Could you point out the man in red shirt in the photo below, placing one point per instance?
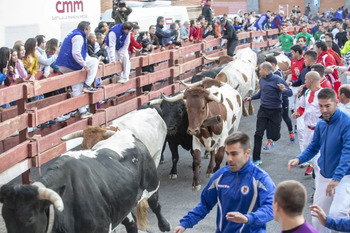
(335, 55)
(296, 67)
(319, 68)
(328, 61)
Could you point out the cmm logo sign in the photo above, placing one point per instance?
(69, 6)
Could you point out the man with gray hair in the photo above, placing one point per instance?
(270, 112)
(185, 31)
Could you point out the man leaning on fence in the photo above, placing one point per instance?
(73, 56)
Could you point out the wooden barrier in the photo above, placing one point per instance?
(34, 149)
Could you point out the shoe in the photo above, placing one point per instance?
(257, 162)
(31, 129)
(89, 89)
(291, 137)
(303, 165)
(122, 81)
(309, 170)
(86, 115)
(269, 144)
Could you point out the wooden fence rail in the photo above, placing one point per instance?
(27, 150)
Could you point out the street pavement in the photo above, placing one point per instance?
(177, 197)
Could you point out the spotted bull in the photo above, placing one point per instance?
(91, 190)
(213, 99)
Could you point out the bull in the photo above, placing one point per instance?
(202, 103)
(91, 190)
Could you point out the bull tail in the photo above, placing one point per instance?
(141, 215)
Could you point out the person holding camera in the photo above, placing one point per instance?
(120, 11)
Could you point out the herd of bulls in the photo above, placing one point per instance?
(95, 189)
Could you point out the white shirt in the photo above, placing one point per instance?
(312, 111)
(111, 48)
(345, 107)
(77, 44)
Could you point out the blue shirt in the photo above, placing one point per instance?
(249, 191)
(332, 139)
(340, 224)
(270, 94)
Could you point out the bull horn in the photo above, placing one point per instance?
(211, 58)
(48, 194)
(109, 133)
(196, 84)
(70, 136)
(174, 98)
(215, 98)
(155, 102)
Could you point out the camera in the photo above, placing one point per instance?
(121, 4)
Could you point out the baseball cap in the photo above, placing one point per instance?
(222, 20)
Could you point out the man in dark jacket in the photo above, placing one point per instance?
(207, 12)
(120, 12)
(230, 35)
(159, 30)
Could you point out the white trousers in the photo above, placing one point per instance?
(336, 206)
(293, 100)
(124, 76)
(77, 89)
(300, 130)
(307, 138)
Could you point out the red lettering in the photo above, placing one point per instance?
(69, 6)
(59, 10)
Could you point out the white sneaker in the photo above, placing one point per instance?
(86, 115)
(122, 81)
(31, 129)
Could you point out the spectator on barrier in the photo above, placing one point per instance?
(248, 25)
(277, 21)
(22, 72)
(270, 112)
(207, 30)
(230, 35)
(288, 207)
(160, 33)
(340, 38)
(320, 34)
(44, 61)
(5, 56)
(198, 33)
(102, 28)
(302, 42)
(172, 39)
(185, 31)
(118, 41)
(51, 48)
(73, 56)
(309, 39)
(147, 49)
(133, 43)
(247, 208)
(339, 224)
(207, 12)
(120, 11)
(328, 61)
(30, 60)
(331, 138)
(236, 24)
(153, 38)
(260, 23)
(193, 29)
(13, 74)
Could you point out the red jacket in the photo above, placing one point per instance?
(134, 44)
(198, 34)
(328, 60)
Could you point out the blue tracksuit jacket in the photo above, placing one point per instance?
(249, 191)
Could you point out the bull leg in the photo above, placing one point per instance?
(251, 108)
(196, 170)
(153, 203)
(219, 157)
(162, 156)
(130, 224)
(244, 110)
(210, 165)
(175, 158)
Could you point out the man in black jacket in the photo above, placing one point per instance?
(230, 35)
(207, 12)
(160, 33)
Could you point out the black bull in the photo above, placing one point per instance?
(97, 193)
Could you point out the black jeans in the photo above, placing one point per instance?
(285, 115)
(269, 120)
(231, 46)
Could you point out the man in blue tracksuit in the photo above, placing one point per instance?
(339, 224)
(262, 21)
(332, 139)
(270, 112)
(243, 193)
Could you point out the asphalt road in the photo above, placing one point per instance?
(177, 197)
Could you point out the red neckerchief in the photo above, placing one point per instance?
(312, 96)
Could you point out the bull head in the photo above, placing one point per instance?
(50, 195)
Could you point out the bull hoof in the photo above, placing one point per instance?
(209, 175)
(251, 111)
(206, 155)
(166, 226)
(197, 188)
(161, 161)
(172, 176)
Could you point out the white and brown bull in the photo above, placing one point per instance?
(241, 75)
(203, 103)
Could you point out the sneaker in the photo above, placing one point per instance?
(122, 81)
(291, 137)
(257, 162)
(269, 144)
(303, 165)
(89, 89)
(309, 170)
(86, 115)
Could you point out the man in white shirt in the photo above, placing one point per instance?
(118, 41)
(44, 62)
(344, 96)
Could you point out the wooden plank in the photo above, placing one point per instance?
(13, 156)
(162, 56)
(52, 153)
(112, 68)
(258, 33)
(244, 35)
(159, 75)
(191, 49)
(272, 42)
(242, 46)
(262, 44)
(12, 125)
(272, 32)
(15, 171)
(191, 64)
(211, 43)
(11, 93)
